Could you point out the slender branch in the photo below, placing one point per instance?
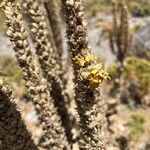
(111, 41)
(121, 33)
(125, 25)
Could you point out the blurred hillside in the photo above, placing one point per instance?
(137, 7)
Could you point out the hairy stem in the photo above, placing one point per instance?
(50, 62)
(54, 20)
(13, 132)
(36, 84)
(90, 106)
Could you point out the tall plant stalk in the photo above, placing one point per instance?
(120, 35)
(88, 76)
(54, 19)
(37, 86)
(120, 38)
(50, 62)
(14, 134)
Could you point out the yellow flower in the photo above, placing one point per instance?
(96, 76)
(95, 69)
(94, 84)
(84, 58)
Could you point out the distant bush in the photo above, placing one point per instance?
(136, 125)
(136, 74)
(113, 71)
(97, 5)
(138, 69)
(140, 8)
(137, 27)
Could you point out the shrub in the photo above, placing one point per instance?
(140, 8)
(113, 71)
(94, 6)
(136, 125)
(137, 69)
